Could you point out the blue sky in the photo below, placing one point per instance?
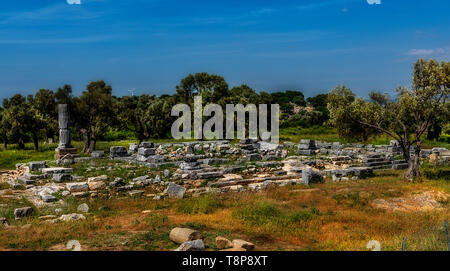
(270, 45)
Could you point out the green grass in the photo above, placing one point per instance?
(12, 156)
(338, 217)
(264, 213)
(199, 205)
(7, 211)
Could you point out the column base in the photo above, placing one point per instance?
(59, 153)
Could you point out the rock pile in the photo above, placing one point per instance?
(192, 240)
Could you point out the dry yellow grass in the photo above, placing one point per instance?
(323, 217)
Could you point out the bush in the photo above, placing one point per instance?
(437, 174)
(445, 138)
(446, 129)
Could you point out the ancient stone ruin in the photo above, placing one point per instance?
(191, 169)
(64, 149)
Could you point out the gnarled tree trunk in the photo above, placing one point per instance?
(21, 144)
(35, 142)
(86, 142)
(413, 172)
(93, 141)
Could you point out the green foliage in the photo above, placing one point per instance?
(351, 199)
(445, 138)
(8, 207)
(211, 87)
(20, 120)
(199, 205)
(405, 118)
(4, 186)
(446, 129)
(95, 111)
(340, 102)
(242, 95)
(97, 115)
(264, 213)
(289, 96)
(305, 119)
(437, 173)
(117, 135)
(320, 100)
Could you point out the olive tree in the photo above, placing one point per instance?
(405, 118)
(94, 110)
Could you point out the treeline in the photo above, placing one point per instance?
(96, 112)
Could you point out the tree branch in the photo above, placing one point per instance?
(381, 129)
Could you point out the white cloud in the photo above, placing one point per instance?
(428, 52)
(420, 52)
(374, 2)
(74, 2)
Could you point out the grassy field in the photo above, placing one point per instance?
(10, 157)
(331, 216)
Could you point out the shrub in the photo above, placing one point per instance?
(437, 173)
(444, 138)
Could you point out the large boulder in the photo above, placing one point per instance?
(56, 170)
(195, 245)
(47, 197)
(147, 145)
(118, 151)
(223, 243)
(77, 187)
(33, 166)
(117, 182)
(241, 244)
(306, 144)
(83, 208)
(23, 212)
(182, 235)
(175, 191)
(146, 152)
(156, 159)
(62, 177)
(310, 176)
(93, 186)
(97, 183)
(253, 157)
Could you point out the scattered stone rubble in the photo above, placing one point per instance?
(192, 240)
(195, 168)
(214, 162)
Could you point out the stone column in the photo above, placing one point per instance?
(64, 124)
(64, 146)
